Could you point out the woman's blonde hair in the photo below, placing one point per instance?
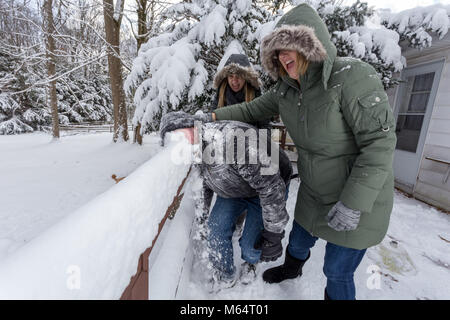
(302, 65)
(249, 93)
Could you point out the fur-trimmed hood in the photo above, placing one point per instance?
(238, 64)
(290, 37)
(300, 29)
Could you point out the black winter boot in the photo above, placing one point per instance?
(292, 268)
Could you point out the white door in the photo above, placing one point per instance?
(413, 110)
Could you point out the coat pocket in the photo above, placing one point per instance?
(376, 114)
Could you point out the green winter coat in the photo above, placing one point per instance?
(341, 123)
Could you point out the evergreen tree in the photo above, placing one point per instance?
(83, 99)
(355, 35)
(83, 92)
(24, 111)
(23, 108)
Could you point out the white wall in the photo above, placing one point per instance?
(431, 186)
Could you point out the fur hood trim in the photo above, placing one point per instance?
(247, 73)
(300, 38)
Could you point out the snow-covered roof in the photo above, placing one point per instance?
(425, 24)
(435, 17)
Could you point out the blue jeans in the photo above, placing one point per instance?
(339, 265)
(222, 224)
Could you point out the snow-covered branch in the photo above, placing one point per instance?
(57, 77)
(418, 24)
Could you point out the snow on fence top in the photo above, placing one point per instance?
(92, 253)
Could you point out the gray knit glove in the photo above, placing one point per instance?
(341, 218)
(179, 119)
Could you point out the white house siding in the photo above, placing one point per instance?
(433, 183)
(391, 93)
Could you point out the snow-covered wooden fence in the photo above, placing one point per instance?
(94, 252)
(138, 288)
(86, 127)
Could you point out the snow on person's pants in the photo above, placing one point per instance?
(222, 224)
(339, 265)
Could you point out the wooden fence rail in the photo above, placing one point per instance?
(90, 128)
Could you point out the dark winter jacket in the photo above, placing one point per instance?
(341, 123)
(244, 179)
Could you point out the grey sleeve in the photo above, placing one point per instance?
(272, 194)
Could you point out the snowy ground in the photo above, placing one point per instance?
(43, 181)
(412, 262)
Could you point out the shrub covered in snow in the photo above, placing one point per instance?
(83, 90)
(24, 108)
(19, 112)
(84, 99)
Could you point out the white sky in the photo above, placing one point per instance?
(400, 5)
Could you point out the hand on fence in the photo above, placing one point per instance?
(188, 133)
(179, 119)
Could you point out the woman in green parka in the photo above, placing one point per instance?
(338, 115)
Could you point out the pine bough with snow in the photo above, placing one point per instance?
(82, 84)
(24, 108)
(418, 25)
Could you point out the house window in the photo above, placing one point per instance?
(412, 110)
